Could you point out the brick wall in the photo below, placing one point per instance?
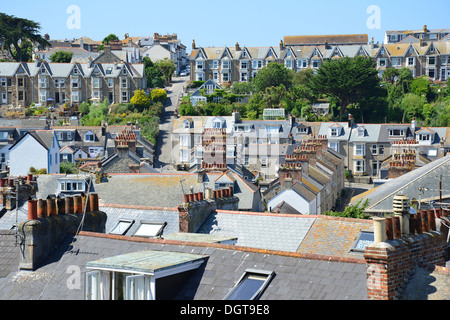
(389, 262)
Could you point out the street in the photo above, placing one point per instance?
(164, 144)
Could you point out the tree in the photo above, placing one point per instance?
(140, 100)
(412, 106)
(167, 68)
(348, 80)
(352, 211)
(158, 95)
(61, 56)
(420, 86)
(273, 75)
(15, 33)
(153, 75)
(109, 38)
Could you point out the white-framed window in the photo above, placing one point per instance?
(374, 149)
(250, 285)
(213, 64)
(396, 62)
(396, 132)
(443, 74)
(75, 186)
(244, 64)
(124, 71)
(289, 64)
(3, 82)
(360, 150)
(200, 64)
(110, 82)
(302, 63)
(124, 82)
(334, 132)
(257, 64)
(315, 63)
(246, 160)
(333, 146)
(75, 71)
(424, 137)
(410, 61)
(124, 96)
(74, 83)
(149, 229)
(431, 61)
(92, 285)
(264, 162)
(226, 64)
(75, 96)
(89, 136)
(432, 73)
(360, 166)
(243, 76)
(96, 83)
(225, 77)
(184, 140)
(382, 62)
(43, 83)
(122, 226)
(43, 95)
(444, 60)
(200, 76)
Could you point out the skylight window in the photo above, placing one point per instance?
(122, 227)
(150, 229)
(251, 285)
(365, 239)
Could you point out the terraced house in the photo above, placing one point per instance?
(230, 64)
(23, 83)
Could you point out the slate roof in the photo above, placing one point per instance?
(265, 230)
(296, 277)
(426, 176)
(330, 39)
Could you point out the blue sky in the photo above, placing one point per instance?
(220, 23)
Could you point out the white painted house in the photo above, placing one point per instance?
(298, 197)
(38, 149)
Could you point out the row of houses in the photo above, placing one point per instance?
(240, 63)
(111, 148)
(261, 146)
(129, 49)
(43, 83)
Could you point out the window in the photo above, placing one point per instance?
(214, 64)
(225, 64)
(199, 64)
(444, 60)
(360, 150)
(92, 285)
(411, 61)
(365, 239)
(150, 229)
(244, 64)
(69, 186)
(431, 61)
(43, 83)
(360, 166)
(303, 63)
(225, 77)
(244, 76)
(246, 160)
(43, 95)
(20, 82)
(124, 96)
(89, 137)
(382, 62)
(124, 83)
(124, 71)
(424, 137)
(374, 149)
(200, 76)
(264, 162)
(334, 132)
(43, 70)
(96, 83)
(289, 64)
(396, 62)
(334, 146)
(396, 132)
(217, 123)
(251, 285)
(74, 83)
(3, 82)
(315, 63)
(75, 71)
(381, 149)
(122, 227)
(110, 83)
(20, 96)
(75, 96)
(431, 73)
(137, 288)
(257, 64)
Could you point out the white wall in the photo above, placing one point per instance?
(294, 200)
(25, 154)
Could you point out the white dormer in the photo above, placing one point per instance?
(425, 136)
(186, 124)
(89, 136)
(217, 123)
(335, 130)
(361, 131)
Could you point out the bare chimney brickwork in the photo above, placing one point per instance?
(51, 220)
(402, 242)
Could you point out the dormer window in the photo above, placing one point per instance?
(42, 70)
(360, 132)
(302, 130)
(75, 71)
(89, 136)
(187, 124)
(217, 123)
(334, 132)
(425, 137)
(396, 132)
(124, 71)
